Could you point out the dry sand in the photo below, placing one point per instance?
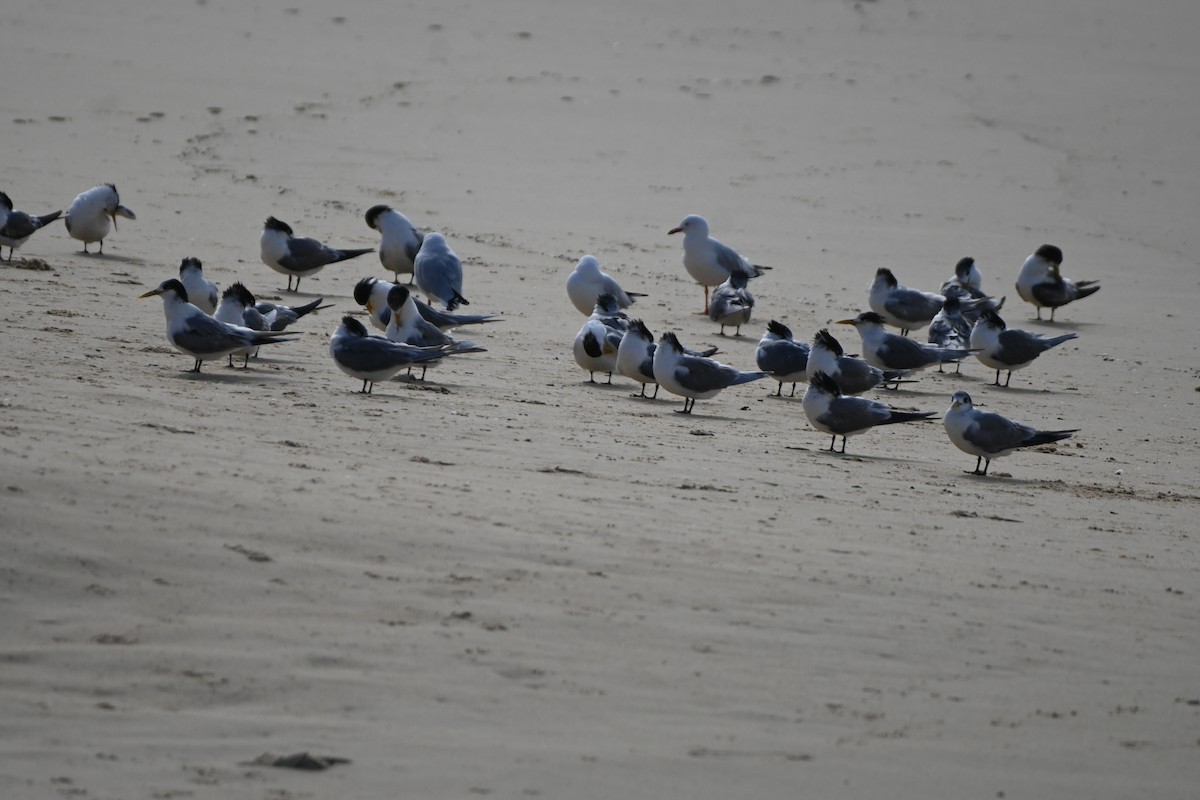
(511, 583)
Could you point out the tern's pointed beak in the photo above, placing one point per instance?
(844, 322)
(150, 293)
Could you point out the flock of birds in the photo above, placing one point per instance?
(963, 321)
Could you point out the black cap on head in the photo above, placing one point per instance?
(825, 383)
(397, 297)
(826, 340)
(888, 277)
(872, 317)
(362, 290)
(1050, 253)
(373, 213)
(190, 261)
(990, 317)
(353, 326)
(639, 327)
(239, 291)
(276, 225)
(779, 329)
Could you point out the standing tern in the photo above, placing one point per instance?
(950, 328)
(901, 307)
(439, 273)
(407, 326)
(852, 375)
(191, 331)
(782, 357)
(693, 377)
(201, 291)
(17, 226)
(400, 241)
(298, 257)
(732, 303)
(1002, 348)
(374, 358)
(596, 345)
(88, 217)
(237, 308)
(587, 282)
(986, 435)
(278, 317)
(1041, 283)
(893, 351)
(830, 411)
(708, 261)
(635, 356)
(372, 293)
(967, 280)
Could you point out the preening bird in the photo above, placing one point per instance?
(732, 303)
(1041, 283)
(400, 240)
(88, 218)
(202, 293)
(587, 282)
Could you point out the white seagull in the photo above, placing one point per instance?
(17, 226)
(191, 331)
(830, 411)
(693, 377)
(892, 351)
(88, 217)
(782, 357)
(400, 241)
(1041, 283)
(708, 261)
(295, 256)
(986, 435)
(901, 307)
(201, 291)
(439, 273)
(374, 358)
(1002, 348)
(852, 374)
(732, 303)
(587, 282)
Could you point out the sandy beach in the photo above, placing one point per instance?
(509, 582)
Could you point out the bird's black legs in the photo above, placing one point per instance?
(779, 393)
(688, 404)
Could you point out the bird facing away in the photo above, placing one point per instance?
(708, 261)
(438, 272)
(237, 308)
(901, 307)
(966, 281)
(598, 341)
(732, 303)
(202, 293)
(16, 226)
(1041, 283)
(191, 331)
(1002, 348)
(782, 357)
(374, 358)
(852, 374)
(372, 293)
(950, 328)
(693, 377)
(407, 326)
(88, 216)
(400, 241)
(986, 435)
(830, 411)
(892, 351)
(635, 356)
(587, 282)
(298, 257)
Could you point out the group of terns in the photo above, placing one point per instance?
(963, 321)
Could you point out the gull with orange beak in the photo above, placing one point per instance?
(90, 213)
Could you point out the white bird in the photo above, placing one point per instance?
(598, 341)
(201, 291)
(732, 303)
(967, 279)
(16, 226)
(372, 293)
(237, 308)
(278, 317)
(986, 435)
(439, 273)
(587, 282)
(950, 328)
(296, 256)
(1002, 348)
(88, 217)
(901, 307)
(852, 374)
(693, 377)
(1041, 283)
(191, 331)
(782, 357)
(893, 351)
(708, 261)
(374, 358)
(830, 411)
(407, 326)
(400, 241)
(635, 356)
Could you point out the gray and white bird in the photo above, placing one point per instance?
(407, 326)
(598, 341)
(202, 293)
(950, 328)
(16, 226)
(374, 358)
(191, 331)
(439, 273)
(782, 357)
(830, 411)
(732, 303)
(587, 282)
(298, 257)
(708, 261)
(400, 240)
(88, 217)
(694, 377)
(852, 374)
(899, 306)
(967, 279)
(987, 435)
(237, 308)
(372, 293)
(1041, 283)
(1002, 348)
(278, 317)
(635, 356)
(893, 351)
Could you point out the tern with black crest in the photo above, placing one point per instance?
(1002, 348)
(93, 212)
(694, 377)
(782, 357)
(298, 257)
(400, 241)
(1041, 283)
(16, 226)
(830, 411)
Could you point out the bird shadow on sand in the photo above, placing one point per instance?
(112, 257)
(1057, 326)
(226, 374)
